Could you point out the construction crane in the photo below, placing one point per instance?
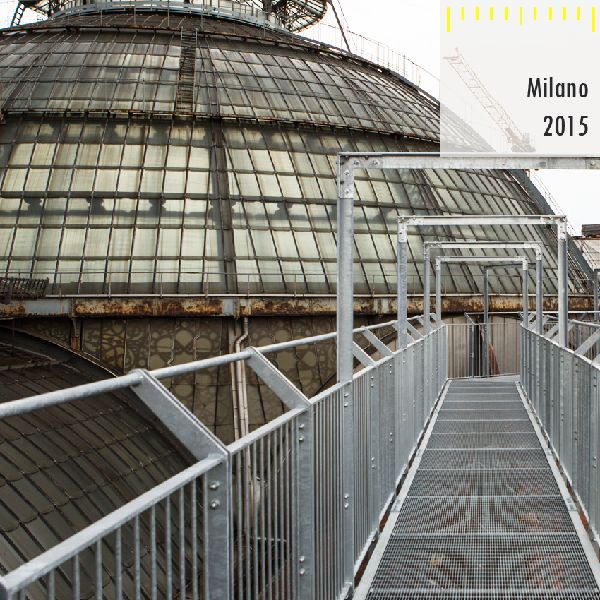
(519, 142)
(43, 7)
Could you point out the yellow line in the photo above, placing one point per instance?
(477, 13)
(564, 13)
(462, 13)
(506, 14)
(521, 16)
(491, 13)
(549, 13)
(579, 13)
(535, 13)
(448, 19)
(593, 19)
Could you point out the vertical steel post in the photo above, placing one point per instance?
(426, 292)
(402, 285)
(539, 292)
(525, 293)
(486, 317)
(595, 399)
(563, 283)
(201, 443)
(306, 505)
(438, 290)
(345, 260)
(596, 286)
(345, 355)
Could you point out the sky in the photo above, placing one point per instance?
(412, 28)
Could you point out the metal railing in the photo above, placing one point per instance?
(288, 511)
(563, 386)
(375, 52)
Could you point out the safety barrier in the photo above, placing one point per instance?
(288, 511)
(563, 386)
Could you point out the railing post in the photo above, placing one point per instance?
(575, 398)
(563, 284)
(347, 499)
(345, 360)
(379, 403)
(219, 531)
(402, 284)
(403, 381)
(596, 281)
(426, 291)
(345, 264)
(306, 505)
(525, 293)
(565, 432)
(539, 292)
(594, 476)
(538, 372)
(486, 318)
(438, 290)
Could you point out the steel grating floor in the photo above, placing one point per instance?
(483, 517)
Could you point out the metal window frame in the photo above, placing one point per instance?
(491, 245)
(348, 163)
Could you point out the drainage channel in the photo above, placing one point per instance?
(484, 513)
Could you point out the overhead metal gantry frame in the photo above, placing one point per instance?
(482, 220)
(495, 260)
(489, 245)
(348, 163)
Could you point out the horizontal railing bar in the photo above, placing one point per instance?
(218, 361)
(38, 567)
(318, 338)
(33, 403)
(207, 363)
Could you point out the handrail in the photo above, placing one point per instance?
(67, 549)
(33, 403)
(279, 493)
(563, 388)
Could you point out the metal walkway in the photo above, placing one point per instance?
(484, 513)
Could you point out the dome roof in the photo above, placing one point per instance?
(64, 467)
(240, 72)
(173, 154)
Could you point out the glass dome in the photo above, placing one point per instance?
(149, 152)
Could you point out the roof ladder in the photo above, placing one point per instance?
(518, 140)
(18, 14)
(184, 99)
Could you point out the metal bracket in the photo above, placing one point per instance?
(552, 332)
(587, 345)
(362, 356)
(287, 392)
(413, 331)
(377, 343)
(196, 438)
